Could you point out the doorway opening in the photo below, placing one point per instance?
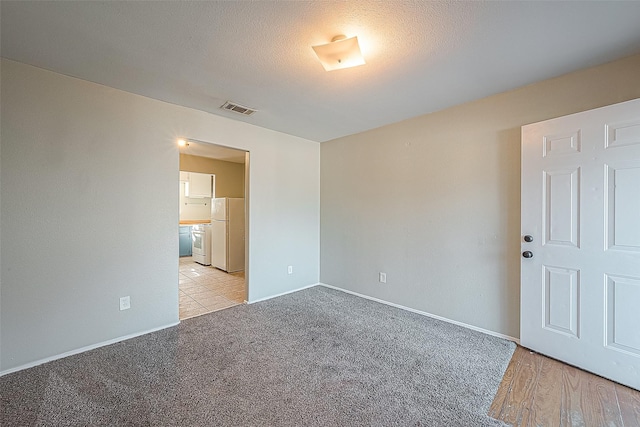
(213, 259)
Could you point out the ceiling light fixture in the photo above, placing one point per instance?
(342, 52)
(182, 142)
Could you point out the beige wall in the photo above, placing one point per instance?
(435, 201)
(229, 175)
(89, 189)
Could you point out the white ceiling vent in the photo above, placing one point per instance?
(237, 108)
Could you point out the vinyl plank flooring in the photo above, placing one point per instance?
(546, 411)
(501, 400)
(540, 391)
(523, 385)
(588, 400)
(629, 403)
(572, 387)
(604, 402)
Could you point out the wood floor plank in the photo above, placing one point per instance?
(520, 396)
(537, 390)
(604, 401)
(548, 394)
(629, 403)
(571, 410)
(588, 400)
(500, 400)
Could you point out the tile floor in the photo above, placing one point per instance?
(206, 289)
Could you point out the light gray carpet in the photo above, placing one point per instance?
(317, 357)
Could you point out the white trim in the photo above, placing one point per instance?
(424, 313)
(83, 349)
(283, 293)
(126, 337)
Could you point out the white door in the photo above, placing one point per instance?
(580, 289)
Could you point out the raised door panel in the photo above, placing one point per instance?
(561, 300)
(561, 216)
(565, 143)
(621, 134)
(623, 316)
(622, 200)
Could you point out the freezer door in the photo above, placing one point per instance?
(219, 209)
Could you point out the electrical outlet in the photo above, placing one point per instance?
(125, 303)
(383, 278)
(290, 269)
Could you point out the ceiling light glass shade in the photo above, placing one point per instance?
(341, 53)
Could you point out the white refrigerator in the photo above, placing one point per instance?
(227, 234)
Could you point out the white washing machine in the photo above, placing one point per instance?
(201, 243)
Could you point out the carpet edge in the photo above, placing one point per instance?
(424, 313)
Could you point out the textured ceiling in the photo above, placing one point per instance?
(421, 56)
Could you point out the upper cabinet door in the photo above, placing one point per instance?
(199, 185)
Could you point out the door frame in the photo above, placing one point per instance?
(247, 175)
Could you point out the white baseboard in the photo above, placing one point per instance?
(424, 313)
(283, 293)
(83, 349)
(126, 337)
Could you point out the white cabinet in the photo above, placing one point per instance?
(200, 184)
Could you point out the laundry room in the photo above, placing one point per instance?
(212, 228)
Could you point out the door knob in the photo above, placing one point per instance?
(527, 254)
(528, 238)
